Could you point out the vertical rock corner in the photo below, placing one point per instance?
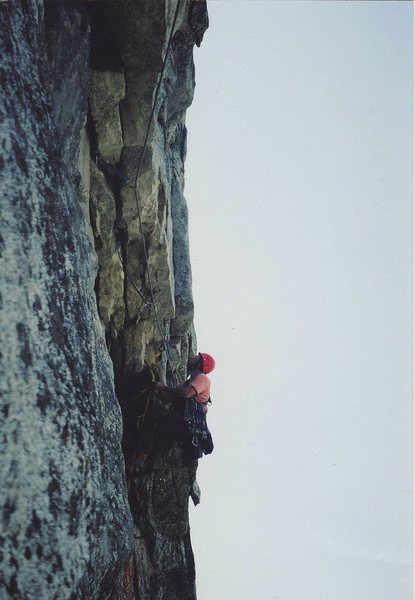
(79, 294)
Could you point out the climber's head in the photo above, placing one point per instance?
(203, 362)
(207, 362)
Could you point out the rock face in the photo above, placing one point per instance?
(88, 292)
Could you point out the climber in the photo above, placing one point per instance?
(193, 396)
(197, 386)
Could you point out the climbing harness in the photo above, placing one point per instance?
(195, 419)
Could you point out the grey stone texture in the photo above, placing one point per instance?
(66, 527)
(77, 298)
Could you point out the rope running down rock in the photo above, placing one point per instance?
(135, 188)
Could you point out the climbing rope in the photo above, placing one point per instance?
(135, 188)
(146, 302)
(112, 170)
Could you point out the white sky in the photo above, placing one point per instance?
(299, 185)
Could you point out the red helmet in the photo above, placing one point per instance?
(208, 362)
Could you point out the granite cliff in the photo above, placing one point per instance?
(83, 309)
